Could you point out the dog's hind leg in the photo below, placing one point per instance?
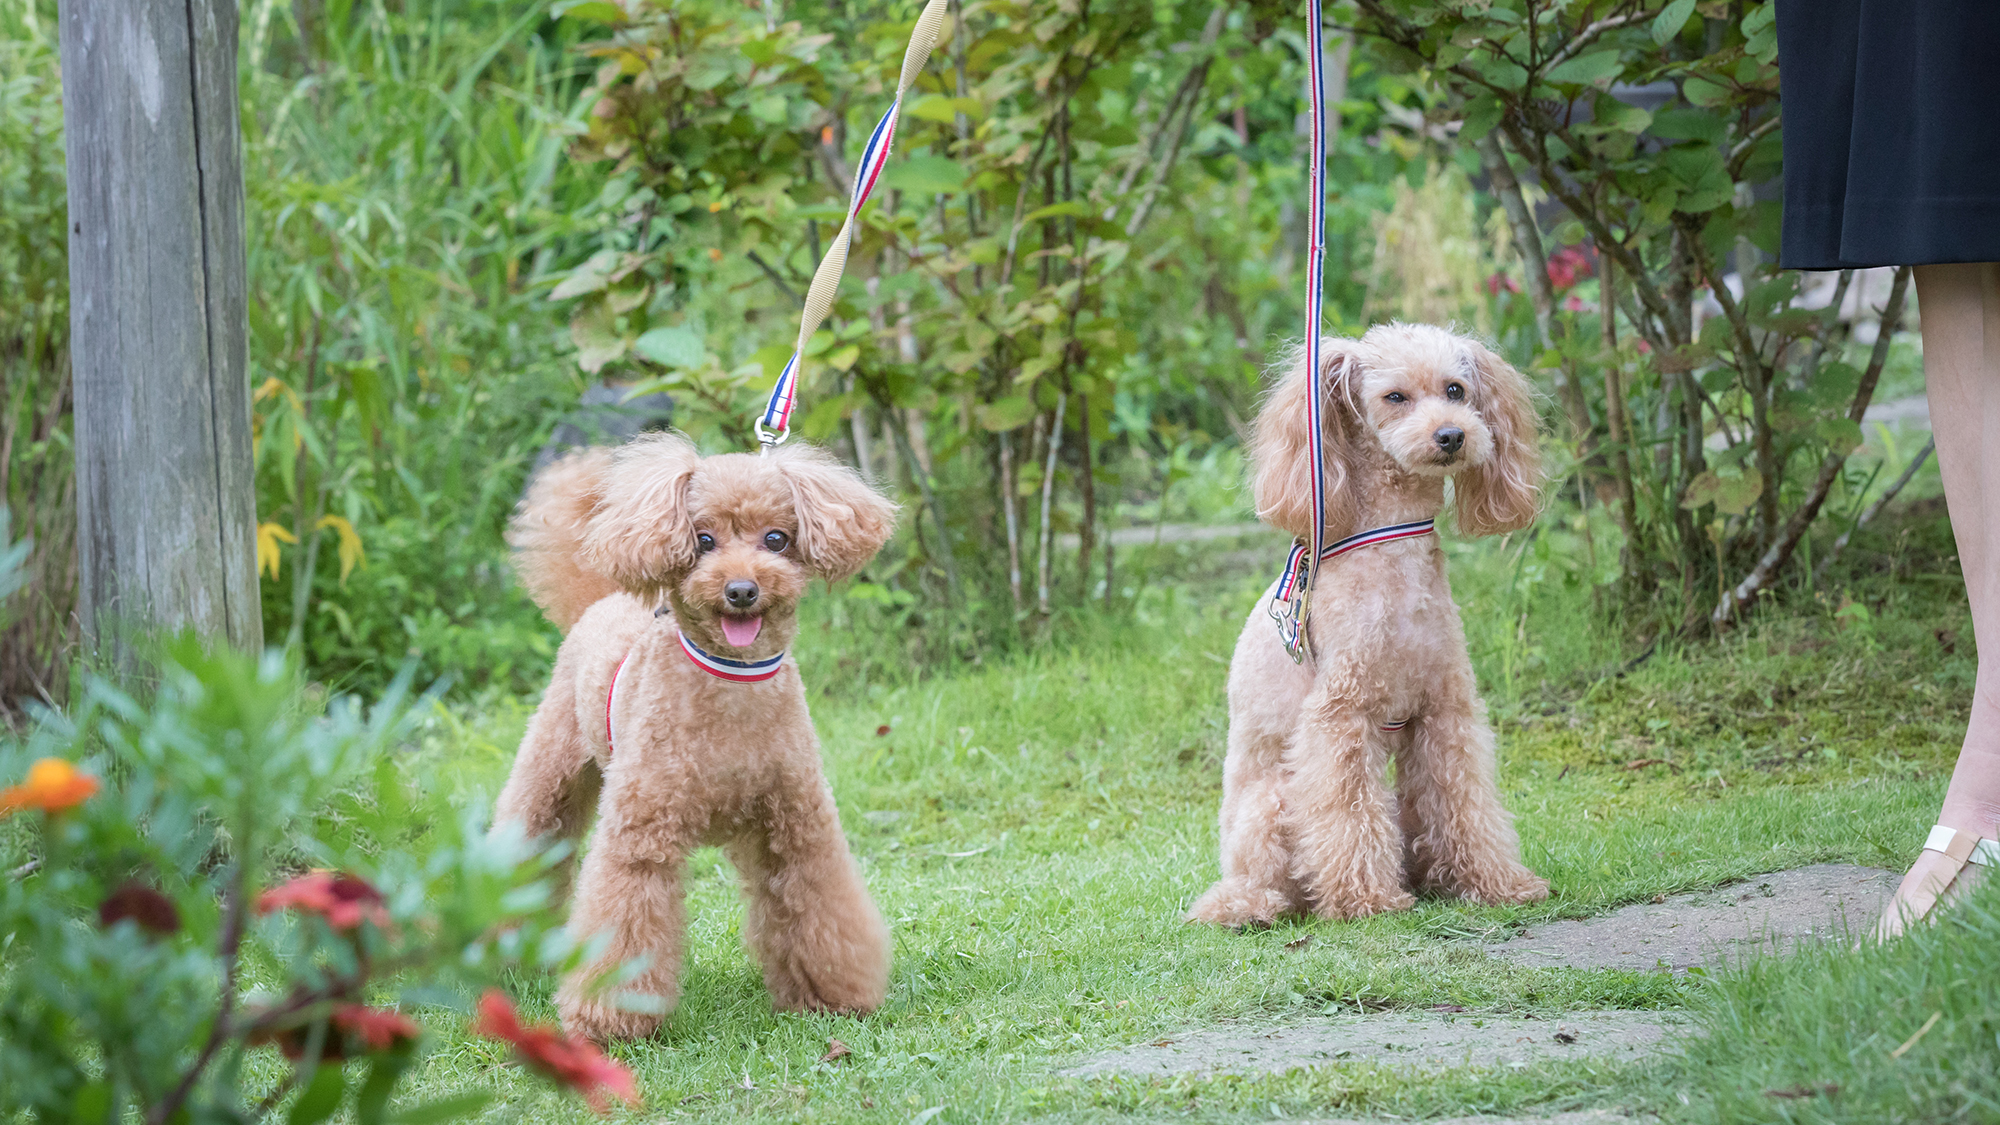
(1256, 885)
(1461, 840)
(553, 787)
(808, 917)
(1348, 849)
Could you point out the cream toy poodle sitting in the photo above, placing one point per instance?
(1308, 822)
(677, 578)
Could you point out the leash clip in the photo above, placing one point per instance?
(767, 440)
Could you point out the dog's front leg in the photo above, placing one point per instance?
(1461, 839)
(808, 917)
(1348, 850)
(629, 892)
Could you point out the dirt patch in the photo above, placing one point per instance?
(1766, 913)
(1396, 1038)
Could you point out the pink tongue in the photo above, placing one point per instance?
(741, 631)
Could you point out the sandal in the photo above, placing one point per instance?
(1963, 849)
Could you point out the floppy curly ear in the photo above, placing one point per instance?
(641, 537)
(842, 521)
(1504, 493)
(1281, 464)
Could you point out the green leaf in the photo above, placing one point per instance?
(1053, 210)
(92, 1105)
(672, 347)
(603, 11)
(371, 1103)
(442, 1109)
(937, 107)
(926, 175)
(1840, 434)
(1597, 66)
(1671, 19)
(1702, 91)
(1482, 115)
(1614, 114)
(320, 1097)
(1731, 495)
(597, 340)
(1682, 123)
(1006, 414)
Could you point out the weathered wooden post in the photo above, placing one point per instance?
(166, 512)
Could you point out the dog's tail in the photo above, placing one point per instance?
(547, 536)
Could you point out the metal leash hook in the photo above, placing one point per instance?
(777, 414)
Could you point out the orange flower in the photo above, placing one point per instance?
(343, 900)
(52, 786)
(576, 1063)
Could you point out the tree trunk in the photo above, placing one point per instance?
(166, 510)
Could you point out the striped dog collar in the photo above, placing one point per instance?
(1380, 535)
(735, 671)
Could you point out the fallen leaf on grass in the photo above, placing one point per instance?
(1660, 898)
(1921, 1032)
(1803, 1091)
(1298, 945)
(1642, 763)
(835, 1050)
(1165, 1042)
(882, 730)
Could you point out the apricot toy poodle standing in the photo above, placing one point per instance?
(674, 710)
(1308, 822)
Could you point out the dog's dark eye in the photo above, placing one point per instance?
(1454, 392)
(775, 541)
(1394, 396)
(705, 541)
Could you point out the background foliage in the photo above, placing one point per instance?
(464, 213)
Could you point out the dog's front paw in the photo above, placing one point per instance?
(1236, 905)
(1511, 887)
(600, 1022)
(1349, 903)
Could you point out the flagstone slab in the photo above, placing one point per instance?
(1720, 927)
(1417, 1040)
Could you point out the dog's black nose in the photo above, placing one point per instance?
(740, 593)
(1450, 439)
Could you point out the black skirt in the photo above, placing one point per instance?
(1892, 132)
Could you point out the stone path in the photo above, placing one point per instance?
(1424, 1040)
(1725, 925)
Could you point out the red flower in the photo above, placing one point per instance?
(576, 1063)
(377, 1028)
(343, 900)
(1501, 281)
(354, 1030)
(1574, 304)
(1568, 264)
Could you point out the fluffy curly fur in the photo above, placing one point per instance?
(621, 549)
(1307, 821)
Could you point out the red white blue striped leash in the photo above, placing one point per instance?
(1302, 567)
(775, 424)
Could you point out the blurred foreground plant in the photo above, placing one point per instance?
(223, 866)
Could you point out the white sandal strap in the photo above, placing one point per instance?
(1963, 846)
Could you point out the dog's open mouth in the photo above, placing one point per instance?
(741, 632)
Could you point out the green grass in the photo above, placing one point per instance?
(1033, 831)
